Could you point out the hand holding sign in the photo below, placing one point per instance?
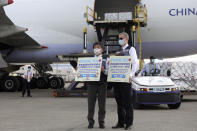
(119, 69)
(89, 69)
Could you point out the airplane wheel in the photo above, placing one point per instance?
(174, 106)
(41, 83)
(55, 83)
(62, 82)
(11, 84)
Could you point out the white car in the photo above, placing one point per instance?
(155, 90)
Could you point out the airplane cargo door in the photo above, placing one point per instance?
(112, 9)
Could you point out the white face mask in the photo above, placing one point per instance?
(121, 42)
(97, 51)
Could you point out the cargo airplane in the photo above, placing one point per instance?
(37, 31)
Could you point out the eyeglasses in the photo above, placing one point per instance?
(121, 38)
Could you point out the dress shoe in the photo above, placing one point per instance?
(90, 126)
(29, 96)
(102, 126)
(117, 126)
(128, 127)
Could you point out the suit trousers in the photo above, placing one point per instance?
(123, 95)
(27, 87)
(96, 90)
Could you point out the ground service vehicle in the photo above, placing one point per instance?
(150, 90)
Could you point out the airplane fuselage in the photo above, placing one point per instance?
(170, 32)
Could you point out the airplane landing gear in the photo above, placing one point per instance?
(10, 84)
(62, 82)
(41, 83)
(55, 83)
(45, 82)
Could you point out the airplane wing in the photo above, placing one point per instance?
(12, 35)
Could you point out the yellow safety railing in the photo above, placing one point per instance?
(140, 43)
(90, 13)
(138, 20)
(141, 10)
(145, 11)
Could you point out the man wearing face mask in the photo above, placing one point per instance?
(151, 69)
(28, 76)
(97, 89)
(123, 91)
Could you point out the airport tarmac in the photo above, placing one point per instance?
(43, 112)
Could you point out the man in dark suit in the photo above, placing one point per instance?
(123, 91)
